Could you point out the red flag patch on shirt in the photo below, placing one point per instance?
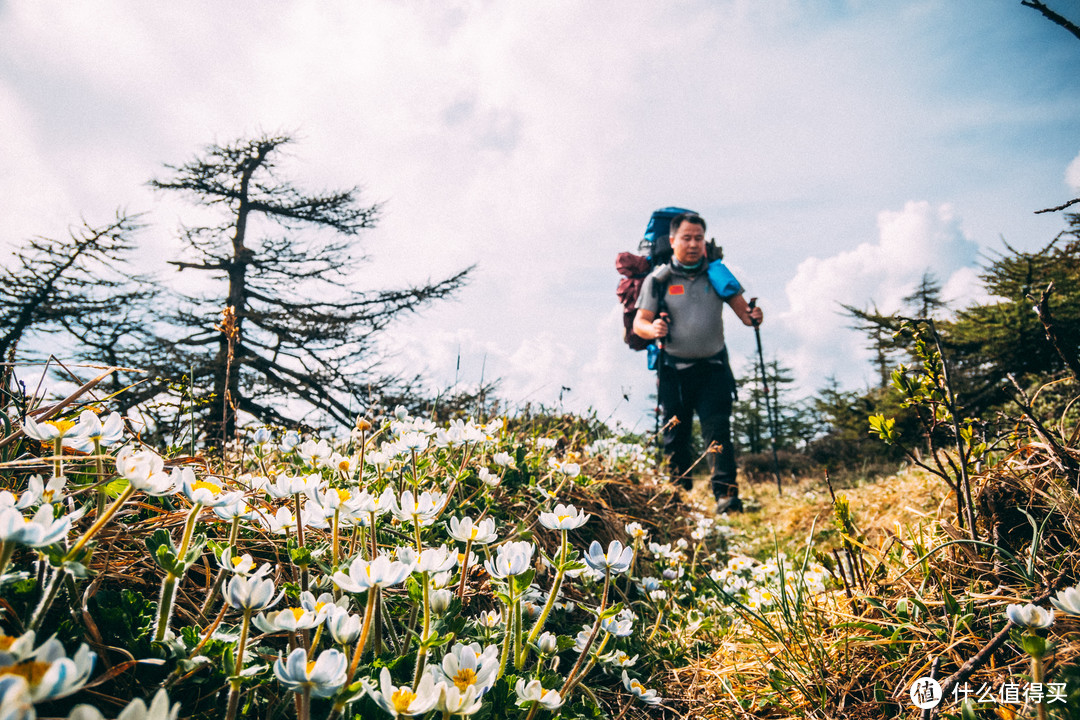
(676, 290)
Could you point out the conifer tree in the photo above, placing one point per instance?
(284, 333)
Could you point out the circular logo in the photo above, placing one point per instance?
(925, 693)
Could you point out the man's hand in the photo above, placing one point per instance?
(660, 327)
(749, 315)
(649, 326)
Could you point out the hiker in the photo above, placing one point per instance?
(679, 306)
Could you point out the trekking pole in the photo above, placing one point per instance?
(768, 405)
(659, 364)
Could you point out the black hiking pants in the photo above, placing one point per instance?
(705, 388)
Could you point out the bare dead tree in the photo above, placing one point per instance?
(303, 331)
(52, 283)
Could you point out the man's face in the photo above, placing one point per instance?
(688, 243)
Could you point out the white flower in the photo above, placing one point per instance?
(649, 697)
(1030, 616)
(287, 620)
(564, 517)
(435, 560)
(280, 522)
(313, 453)
(363, 575)
(262, 436)
(465, 530)
(50, 673)
(636, 531)
(1068, 601)
(617, 626)
(547, 643)
(206, 492)
(534, 692)
(344, 627)
(51, 430)
(402, 700)
(490, 619)
(489, 478)
(39, 531)
(145, 470)
(159, 709)
(289, 441)
(322, 678)
(616, 559)
(453, 701)
(439, 601)
(619, 659)
(15, 700)
(238, 508)
(568, 469)
(90, 428)
(466, 666)
(420, 510)
(253, 593)
(502, 459)
(377, 504)
(513, 558)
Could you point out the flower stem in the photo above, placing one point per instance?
(7, 549)
(507, 632)
(1037, 678)
(336, 552)
(656, 626)
(555, 586)
(99, 461)
(47, 599)
(102, 520)
(168, 588)
(519, 657)
(571, 679)
(421, 653)
(234, 684)
(300, 541)
(369, 613)
(464, 570)
(58, 456)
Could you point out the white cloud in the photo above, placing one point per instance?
(1072, 174)
(534, 139)
(918, 239)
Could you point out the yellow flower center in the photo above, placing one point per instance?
(402, 699)
(343, 465)
(464, 678)
(635, 685)
(236, 561)
(61, 425)
(475, 532)
(563, 517)
(6, 642)
(204, 485)
(299, 613)
(344, 495)
(310, 667)
(32, 670)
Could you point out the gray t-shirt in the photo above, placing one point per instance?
(696, 330)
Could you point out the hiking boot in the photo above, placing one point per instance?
(729, 504)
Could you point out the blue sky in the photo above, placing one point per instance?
(838, 150)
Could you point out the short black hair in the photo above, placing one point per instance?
(686, 217)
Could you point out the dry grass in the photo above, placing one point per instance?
(896, 518)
